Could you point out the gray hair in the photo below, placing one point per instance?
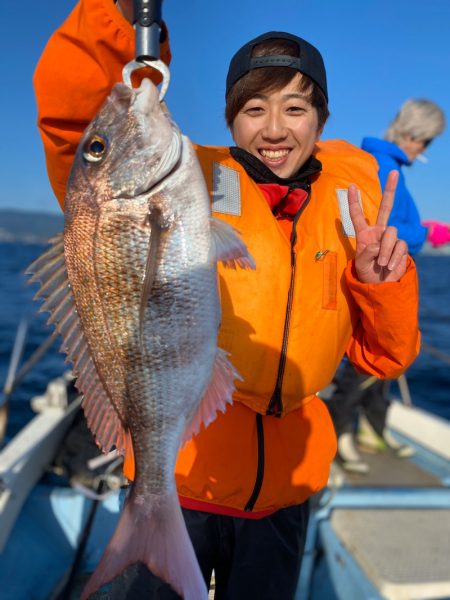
(420, 119)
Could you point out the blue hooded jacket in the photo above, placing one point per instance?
(404, 215)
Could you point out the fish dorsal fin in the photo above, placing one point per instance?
(230, 249)
(218, 395)
(50, 270)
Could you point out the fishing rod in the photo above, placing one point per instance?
(442, 356)
(16, 375)
(16, 355)
(147, 22)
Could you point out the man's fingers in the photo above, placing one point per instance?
(388, 242)
(399, 254)
(384, 212)
(387, 202)
(354, 207)
(367, 256)
(399, 270)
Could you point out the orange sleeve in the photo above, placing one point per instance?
(386, 339)
(80, 64)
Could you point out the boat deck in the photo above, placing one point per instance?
(387, 532)
(387, 470)
(405, 553)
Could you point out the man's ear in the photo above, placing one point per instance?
(319, 133)
(232, 133)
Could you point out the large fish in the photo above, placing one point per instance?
(132, 288)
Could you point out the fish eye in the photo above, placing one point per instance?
(95, 149)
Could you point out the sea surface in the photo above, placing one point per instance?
(428, 377)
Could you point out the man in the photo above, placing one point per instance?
(244, 482)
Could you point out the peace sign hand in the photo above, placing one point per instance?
(380, 255)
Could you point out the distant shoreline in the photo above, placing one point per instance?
(19, 226)
(428, 250)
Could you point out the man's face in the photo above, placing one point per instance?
(279, 128)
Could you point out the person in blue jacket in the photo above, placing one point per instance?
(416, 124)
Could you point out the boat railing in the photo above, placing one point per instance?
(16, 375)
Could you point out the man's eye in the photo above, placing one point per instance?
(253, 109)
(95, 149)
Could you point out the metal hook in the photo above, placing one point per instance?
(159, 65)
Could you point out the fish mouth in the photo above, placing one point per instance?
(146, 98)
(135, 65)
(161, 154)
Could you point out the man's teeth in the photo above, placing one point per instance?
(274, 153)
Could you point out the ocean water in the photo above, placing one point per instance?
(16, 303)
(428, 377)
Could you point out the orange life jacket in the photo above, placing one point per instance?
(286, 329)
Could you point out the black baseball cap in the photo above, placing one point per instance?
(309, 60)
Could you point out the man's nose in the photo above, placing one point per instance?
(274, 128)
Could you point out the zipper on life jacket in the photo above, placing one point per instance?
(276, 404)
(260, 467)
(275, 407)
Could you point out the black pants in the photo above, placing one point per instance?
(252, 559)
(349, 398)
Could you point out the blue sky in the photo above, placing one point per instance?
(377, 53)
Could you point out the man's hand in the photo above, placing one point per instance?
(380, 255)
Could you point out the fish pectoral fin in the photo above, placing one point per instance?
(157, 228)
(230, 249)
(218, 395)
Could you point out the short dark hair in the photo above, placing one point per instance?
(270, 79)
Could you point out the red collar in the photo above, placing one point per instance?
(284, 202)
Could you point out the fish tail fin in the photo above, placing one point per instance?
(153, 533)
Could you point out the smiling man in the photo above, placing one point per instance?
(331, 277)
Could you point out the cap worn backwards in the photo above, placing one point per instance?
(309, 60)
